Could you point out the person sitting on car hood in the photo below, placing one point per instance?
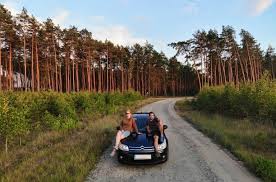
(127, 126)
(155, 128)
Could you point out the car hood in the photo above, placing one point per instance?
(138, 140)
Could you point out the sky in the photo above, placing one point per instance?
(159, 22)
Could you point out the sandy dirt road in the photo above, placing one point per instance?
(193, 157)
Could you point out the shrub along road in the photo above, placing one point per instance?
(193, 157)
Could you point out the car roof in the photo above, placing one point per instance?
(141, 120)
(140, 115)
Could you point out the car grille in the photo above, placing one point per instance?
(141, 148)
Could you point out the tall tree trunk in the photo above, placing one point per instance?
(128, 79)
(142, 80)
(219, 72)
(103, 80)
(211, 71)
(69, 76)
(149, 79)
(251, 78)
(202, 79)
(137, 76)
(48, 74)
(10, 70)
(241, 63)
(224, 72)
(66, 74)
(60, 80)
(56, 65)
(83, 76)
(230, 71)
(37, 68)
(107, 83)
(112, 74)
(32, 64)
(94, 78)
(56, 76)
(237, 73)
(73, 75)
(77, 77)
(1, 67)
(215, 73)
(25, 64)
(246, 70)
(88, 72)
(122, 77)
(99, 78)
(198, 76)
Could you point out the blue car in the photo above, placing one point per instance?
(139, 148)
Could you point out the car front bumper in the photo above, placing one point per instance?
(128, 158)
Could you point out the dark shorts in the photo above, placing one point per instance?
(155, 133)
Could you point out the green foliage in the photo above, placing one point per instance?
(24, 112)
(252, 142)
(13, 121)
(264, 168)
(58, 122)
(257, 101)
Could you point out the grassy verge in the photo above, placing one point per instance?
(253, 143)
(63, 155)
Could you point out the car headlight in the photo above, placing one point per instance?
(162, 146)
(123, 147)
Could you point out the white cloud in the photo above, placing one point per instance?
(162, 45)
(13, 6)
(16, 6)
(117, 34)
(61, 17)
(191, 6)
(257, 7)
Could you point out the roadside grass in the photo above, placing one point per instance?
(251, 142)
(63, 155)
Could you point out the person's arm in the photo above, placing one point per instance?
(134, 126)
(161, 128)
(148, 128)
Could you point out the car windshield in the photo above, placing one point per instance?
(141, 122)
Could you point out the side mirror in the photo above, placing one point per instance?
(165, 126)
(118, 128)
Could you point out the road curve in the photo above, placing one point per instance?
(193, 157)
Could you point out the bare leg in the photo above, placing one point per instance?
(161, 128)
(156, 142)
(119, 137)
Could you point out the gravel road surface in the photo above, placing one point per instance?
(193, 157)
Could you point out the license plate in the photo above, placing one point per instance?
(142, 157)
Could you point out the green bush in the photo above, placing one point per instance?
(13, 121)
(254, 143)
(210, 99)
(21, 112)
(257, 101)
(60, 105)
(265, 168)
(83, 102)
(58, 122)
